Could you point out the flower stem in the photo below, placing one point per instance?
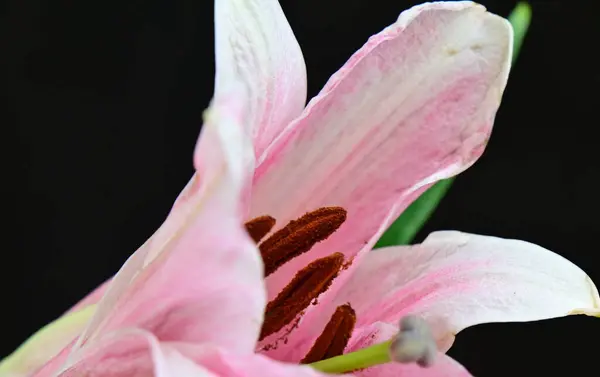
(519, 18)
(364, 358)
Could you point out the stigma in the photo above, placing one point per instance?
(414, 343)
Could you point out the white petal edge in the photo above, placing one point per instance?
(255, 47)
(456, 280)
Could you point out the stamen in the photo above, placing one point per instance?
(258, 227)
(299, 236)
(414, 343)
(307, 285)
(335, 337)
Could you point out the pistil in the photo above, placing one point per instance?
(414, 343)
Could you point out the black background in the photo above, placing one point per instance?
(104, 105)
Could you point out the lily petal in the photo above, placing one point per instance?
(136, 352)
(457, 280)
(414, 105)
(201, 281)
(255, 46)
(129, 353)
(445, 366)
(224, 363)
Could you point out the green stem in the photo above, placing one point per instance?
(519, 18)
(364, 358)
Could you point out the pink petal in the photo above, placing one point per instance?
(199, 278)
(130, 353)
(53, 365)
(256, 47)
(379, 332)
(224, 363)
(138, 353)
(414, 105)
(444, 367)
(457, 280)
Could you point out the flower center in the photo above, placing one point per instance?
(306, 286)
(413, 344)
(296, 238)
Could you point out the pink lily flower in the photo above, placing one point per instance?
(315, 188)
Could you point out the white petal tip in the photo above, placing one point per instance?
(588, 312)
(594, 309)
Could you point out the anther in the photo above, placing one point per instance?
(307, 285)
(299, 236)
(258, 227)
(335, 336)
(414, 343)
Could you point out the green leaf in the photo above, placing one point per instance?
(406, 227)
